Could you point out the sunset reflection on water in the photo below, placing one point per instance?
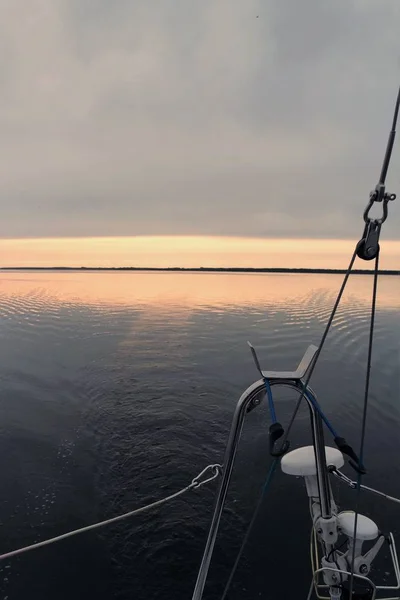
(159, 290)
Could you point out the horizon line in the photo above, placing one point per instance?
(232, 236)
(211, 269)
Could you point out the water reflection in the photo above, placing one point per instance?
(159, 290)
(118, 385)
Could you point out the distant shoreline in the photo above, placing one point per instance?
(205, 270)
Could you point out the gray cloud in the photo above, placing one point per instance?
(233, 117)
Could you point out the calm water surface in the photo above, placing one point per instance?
(117, 388)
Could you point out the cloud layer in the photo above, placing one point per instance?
(211, 117)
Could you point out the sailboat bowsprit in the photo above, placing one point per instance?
(340, 564)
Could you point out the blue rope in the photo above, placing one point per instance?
(270, 401)
(310, 397)
(321, 413)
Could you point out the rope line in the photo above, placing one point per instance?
(391, 498)
(353, 485)
(250, 527)
(317, 354)
(365, 410)
(195, 484)
(317, 407)
(270, 401)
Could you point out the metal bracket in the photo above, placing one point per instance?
(290, 379)
(368, 246)
(300, 372)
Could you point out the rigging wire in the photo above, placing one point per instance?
(292, 419)
(317, 354)
(64, 536)
(270, 401)
(196, 483)
(373, 198)
(379, 196)
(267, 483)
(353, 485)
(391, 498)
(364, 417)
(317, 407)
(310, 591)
(390, 143)
(367, 248)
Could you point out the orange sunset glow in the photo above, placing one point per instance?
(175, 295)
(187, 251)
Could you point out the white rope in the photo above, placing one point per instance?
(391, 498)
(353, 484)
(310, 592)
(195, 484)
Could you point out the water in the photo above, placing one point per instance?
(117, 388)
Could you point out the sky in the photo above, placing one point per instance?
(201, 130)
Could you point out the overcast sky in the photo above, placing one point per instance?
(209, 117)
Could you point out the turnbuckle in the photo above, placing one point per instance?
(368, 246)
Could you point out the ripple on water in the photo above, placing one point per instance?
(108, 404)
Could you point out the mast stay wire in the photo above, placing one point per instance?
(367, 248)
(273, 466)
(249, 529)
(363, 251)
(364, 417)
(321, 345)
(372, 226)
